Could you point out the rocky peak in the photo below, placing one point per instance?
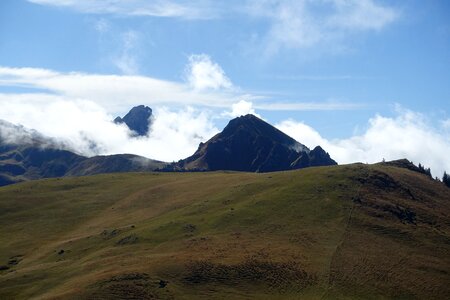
(138, 119)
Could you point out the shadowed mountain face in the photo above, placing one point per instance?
(27, 155)
(249, 144)
(27, 162)
(137, 119)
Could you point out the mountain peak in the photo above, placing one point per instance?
(258, 127)
(248, 143)
(138, 119)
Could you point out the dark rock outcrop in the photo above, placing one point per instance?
(138, 119)
(250, 144)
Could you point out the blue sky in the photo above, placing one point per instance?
(334, 66)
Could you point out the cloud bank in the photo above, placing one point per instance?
(77, 109)
(117, 92)
(408, 135)
(206, 85)
(87, 128)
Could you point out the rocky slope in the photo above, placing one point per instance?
(250, 144)
(138, 120)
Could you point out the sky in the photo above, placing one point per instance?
(365, 79)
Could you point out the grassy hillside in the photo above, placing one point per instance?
(347, 232)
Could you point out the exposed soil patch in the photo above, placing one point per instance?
(131, 239)
(15, 260)
(130, 286)
(110, 233)
(189, 227)
(276, 275)
(384, 182)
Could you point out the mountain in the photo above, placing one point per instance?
(138, 119)
(355, 231)
(249, 144)
(27, 155)
(114, 164)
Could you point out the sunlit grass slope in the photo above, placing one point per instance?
(349, 232)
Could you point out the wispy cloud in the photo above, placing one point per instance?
(313, 77)
(126, 61)
(307, 106)
(292, 24)
(210, 88)
(299, 24)
(194, 9)
(102, 26)
(446, 123)
(117, 92)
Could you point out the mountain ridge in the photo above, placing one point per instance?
(138, 120)
(250, 144)
(247, 143)
(28, 155)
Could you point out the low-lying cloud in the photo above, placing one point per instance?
(407, 135)
(87, 128)
(77, 109)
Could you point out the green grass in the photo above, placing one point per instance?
(253, 235)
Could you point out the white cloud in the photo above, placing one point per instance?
(293, 24)
(446, 124)
(120, 92)
(408, 135)
(196, 9)
(308, 106)
(117, 92)
(77, 108)
(82, 123)
(361, 15)
(102, 26)
(202, 73)
(296, 24)
(127, 61)
(241, 108)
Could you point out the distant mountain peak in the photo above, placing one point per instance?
(138, 119)
(255, 125)
(248, 143)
